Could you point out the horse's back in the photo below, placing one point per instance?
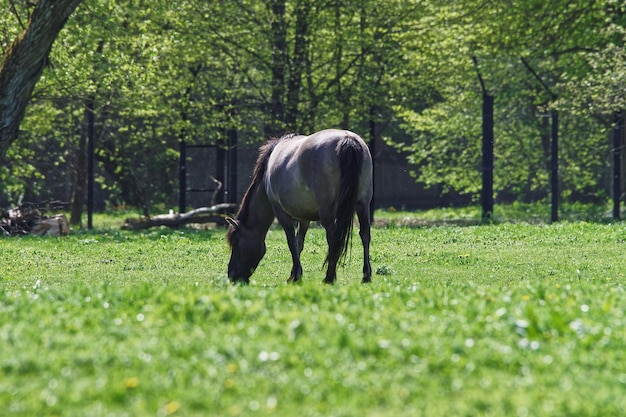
(320, 154)
(304, 172)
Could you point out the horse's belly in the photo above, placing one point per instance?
(300, 205)
(295, 199)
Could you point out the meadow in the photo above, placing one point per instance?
(508, 319)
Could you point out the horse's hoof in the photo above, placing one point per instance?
(366, 280)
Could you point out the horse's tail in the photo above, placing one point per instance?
(350, 161)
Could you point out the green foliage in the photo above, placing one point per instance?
(445, 144)
(574, 63)
(162, 71)
(507, 319)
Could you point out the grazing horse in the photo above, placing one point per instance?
(324, 177)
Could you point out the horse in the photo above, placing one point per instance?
(297, 179)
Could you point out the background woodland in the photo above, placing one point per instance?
(153, 73)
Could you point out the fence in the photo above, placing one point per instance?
(155, 179)
(202, 175)
(207, 175)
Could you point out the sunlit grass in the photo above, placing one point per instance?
(535, 213)
(496, 320)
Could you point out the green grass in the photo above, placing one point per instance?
(510, 319)
(535, 213)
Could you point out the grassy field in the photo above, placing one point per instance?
(509, 319)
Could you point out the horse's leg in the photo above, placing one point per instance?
(332, 259)
(303, 227)
(292, 241)
(363, 213)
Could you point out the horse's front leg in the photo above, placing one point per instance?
(293, 242)
(303, 227)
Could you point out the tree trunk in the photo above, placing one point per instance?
(80, 185)
(294, 85)
(275, 125)
(24, 61)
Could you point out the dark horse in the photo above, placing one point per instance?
(324, 177)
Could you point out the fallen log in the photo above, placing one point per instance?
(52, 226)
(28, 218)
(214, 214)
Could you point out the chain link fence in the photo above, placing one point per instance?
(145, 179)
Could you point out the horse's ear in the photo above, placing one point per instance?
(234, 223)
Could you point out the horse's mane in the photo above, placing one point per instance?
(257, 178)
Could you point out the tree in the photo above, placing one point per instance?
(557, 38)
(24, 61)
(162, 71)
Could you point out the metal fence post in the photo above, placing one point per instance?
(90, 161)
(617, 166)
(554, 166)
(487, 189)
(232, 177)
(182, 177)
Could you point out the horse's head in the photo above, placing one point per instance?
(247, 250)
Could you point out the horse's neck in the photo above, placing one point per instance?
(261, 214)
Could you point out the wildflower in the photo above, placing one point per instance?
(132, 382)
(172, 407)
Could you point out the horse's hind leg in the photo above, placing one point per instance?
(332, 258)
(333, 251)
(363, 213)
